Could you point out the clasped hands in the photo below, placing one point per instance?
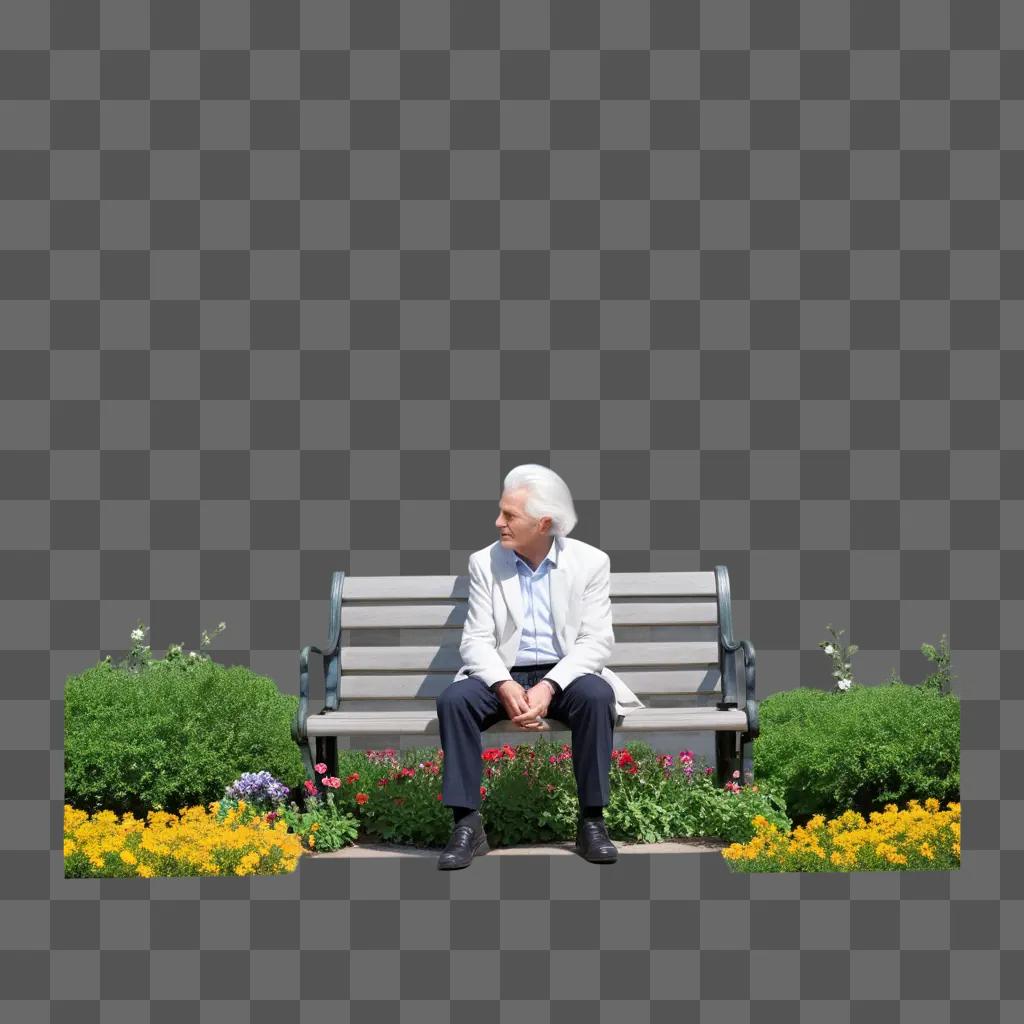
(526, 708)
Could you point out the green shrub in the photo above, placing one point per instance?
(860, 749)
(173, 735)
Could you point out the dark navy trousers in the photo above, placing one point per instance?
(467, 708)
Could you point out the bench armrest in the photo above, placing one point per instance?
(749, 672)
(331, 656)
(299, 721)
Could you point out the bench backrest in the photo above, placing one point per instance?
(398, 636)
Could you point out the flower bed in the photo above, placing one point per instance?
(915, 839)
(219, 840)
(528, 795)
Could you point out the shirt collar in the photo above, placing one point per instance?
(551, 556)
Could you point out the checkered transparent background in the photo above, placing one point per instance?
(287, 287)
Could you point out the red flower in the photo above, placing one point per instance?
(310, 786)
(483, 791)
(625, 758)
(438, 796)
(361, 798)
(354, 777)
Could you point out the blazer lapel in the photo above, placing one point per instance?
(510, 586)
(559, 590)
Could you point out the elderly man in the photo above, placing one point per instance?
(537, 634)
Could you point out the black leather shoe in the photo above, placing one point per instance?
(467, 840)
(593, 842)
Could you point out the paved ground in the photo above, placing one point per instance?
(368, 849)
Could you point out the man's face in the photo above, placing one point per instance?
(515, 528)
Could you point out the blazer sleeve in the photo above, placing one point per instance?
(479, 646)
(596, 638)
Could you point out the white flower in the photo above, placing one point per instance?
(137, 634)
(828, 648)
(192, 654)
(222, 626)
(843, 684)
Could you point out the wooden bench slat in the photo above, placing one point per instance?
(427, 686)
(441, 658)
(622, 584)
(356, 723)
(453, 616)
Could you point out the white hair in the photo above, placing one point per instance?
(547, 494)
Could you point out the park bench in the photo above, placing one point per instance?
(679, 658)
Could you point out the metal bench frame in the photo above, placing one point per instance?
(733, 749)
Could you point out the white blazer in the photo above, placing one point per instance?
(580, 606)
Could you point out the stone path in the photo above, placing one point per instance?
(375, 849)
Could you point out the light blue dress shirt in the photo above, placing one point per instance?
(538, 644)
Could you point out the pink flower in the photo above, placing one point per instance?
(320, 768)
(333, 781)
(310, 786)
(736, 774)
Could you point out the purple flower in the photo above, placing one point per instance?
(257, 787)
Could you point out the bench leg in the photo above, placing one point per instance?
(747, 759)
(725, 756)
(327, 752)
(307, 759)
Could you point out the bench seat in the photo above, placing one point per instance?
(424, 723)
